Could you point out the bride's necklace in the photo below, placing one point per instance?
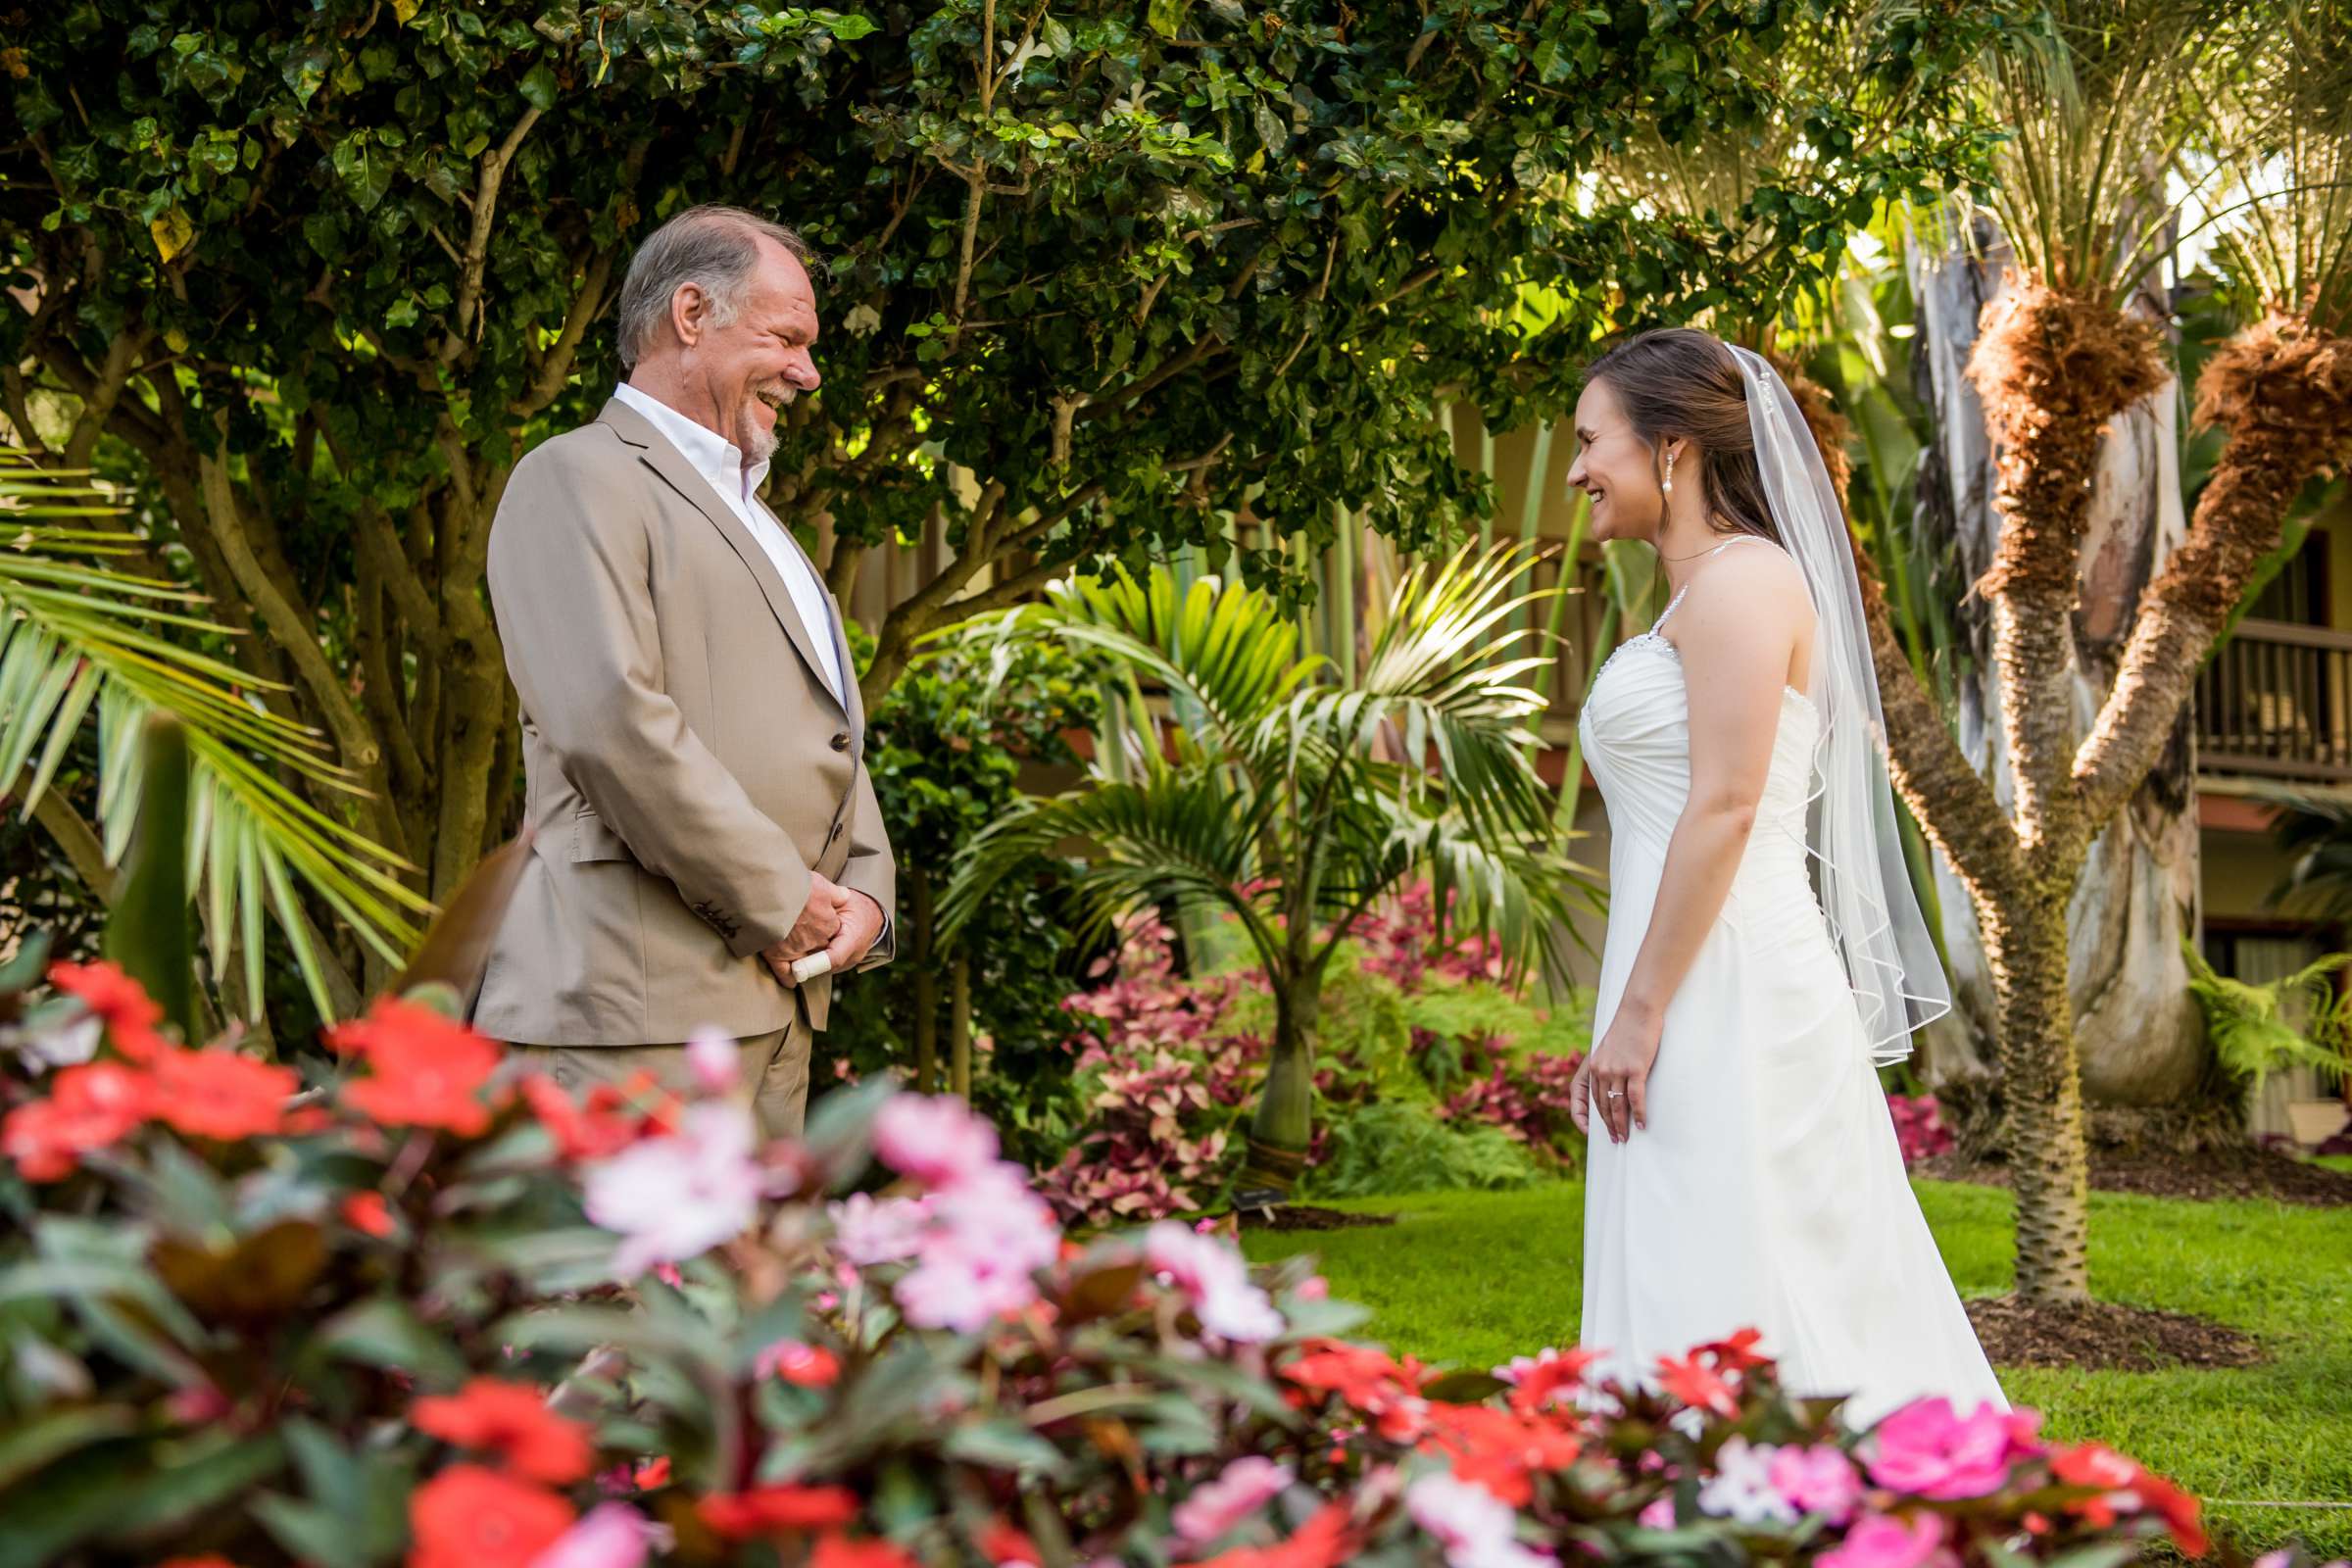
(1676, 560)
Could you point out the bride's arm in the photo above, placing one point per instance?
(1737, 631)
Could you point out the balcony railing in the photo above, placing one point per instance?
(2277, 701)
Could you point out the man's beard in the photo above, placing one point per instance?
(758, 444)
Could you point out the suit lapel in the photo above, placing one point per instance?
(853, 704)
(666, 460)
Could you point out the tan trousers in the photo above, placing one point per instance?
(772, 1072)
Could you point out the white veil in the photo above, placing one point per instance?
(1851, 830)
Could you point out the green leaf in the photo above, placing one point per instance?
(1005, 1445)
(1166, 16)
(388, 1334)
(538, 87)
(367, 172)
(851, 27)
(45, 1437)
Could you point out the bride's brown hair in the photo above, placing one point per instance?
(1675, 381)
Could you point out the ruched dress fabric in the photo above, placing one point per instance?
(1767, 1190)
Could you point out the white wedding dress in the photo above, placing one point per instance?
(1767, 1190)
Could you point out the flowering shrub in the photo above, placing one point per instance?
(426, 1316)
(1428, 1062)
(1918, 1128)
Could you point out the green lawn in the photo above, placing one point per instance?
(1470, 1279)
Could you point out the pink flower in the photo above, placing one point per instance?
(1879, 1540)
(712, 1054)
(869, 1230)
(989, 1236)
(1475, 1528)
(1216, 1280)
(1741, 1487)
(613, 1535)
(1245, 1485)
(677, 1197)
(937, 1141)
(1818, 1480)
(1929, 1450)
(1659, 1515)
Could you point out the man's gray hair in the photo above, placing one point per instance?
(714, 248)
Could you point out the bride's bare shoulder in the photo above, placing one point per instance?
(1753, 575)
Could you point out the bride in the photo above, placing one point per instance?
(1764, 953)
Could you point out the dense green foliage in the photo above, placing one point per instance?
(1103, 278)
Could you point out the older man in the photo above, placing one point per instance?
(692, 733)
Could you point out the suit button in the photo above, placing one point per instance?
(841, 741)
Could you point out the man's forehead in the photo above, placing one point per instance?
(785, 282)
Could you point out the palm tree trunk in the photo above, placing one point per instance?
(927, 983)
(2138, 1034)
(2026, 936)
(1283, 1124)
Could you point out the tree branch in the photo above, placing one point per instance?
(477, 247)
(1950, 798)
(556, 368)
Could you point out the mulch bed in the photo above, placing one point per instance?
(1306, 1217)
(2106, 1335)
(2202, 1176)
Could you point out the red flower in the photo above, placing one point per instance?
(1543, 1383)
(588, 1131)
(470, 1517)
(119, 1001)
(92, 1105)
(804, 1366)
(367, 1213)
(219, 1094)
(2121, 1485)
(1366, 1380)
(1497, 1449)
(1737, 1353)
(653, 1475)
(840, 1552)
(1002, 1544)
(1694, 1383)
(771, 1510)
(1323, 1541)
(427, 1070)
(535, 1441)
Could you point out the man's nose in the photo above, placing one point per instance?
(801, 372)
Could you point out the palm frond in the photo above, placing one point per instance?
(2281, 133)
(78, 637)
(2101, 97)
(1182, 840)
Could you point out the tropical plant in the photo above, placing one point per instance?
(982, 1014)
(2316, 835)
(2101, 93)
(81, 641)
(2253, 1028)
(1295, 801)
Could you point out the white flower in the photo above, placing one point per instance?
(869, 1231)
(1213, 1275)
(1476, 1528)
(1741, 1485)
(676, 1197)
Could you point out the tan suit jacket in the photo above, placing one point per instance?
(687, 765)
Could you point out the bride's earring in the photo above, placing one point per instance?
(1666, 485)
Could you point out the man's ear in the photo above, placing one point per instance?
(689, 309)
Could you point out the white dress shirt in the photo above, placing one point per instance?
(718, 461)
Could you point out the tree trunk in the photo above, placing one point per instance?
(2140, 1035)
(927, 983)
(2027, 940)
(959, 1026)
(1283, 1125)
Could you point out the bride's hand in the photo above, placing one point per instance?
(1615, 1078)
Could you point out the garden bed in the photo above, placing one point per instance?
(2106, 1337)
(2200, 1177)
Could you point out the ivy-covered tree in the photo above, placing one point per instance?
(1107, 277)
